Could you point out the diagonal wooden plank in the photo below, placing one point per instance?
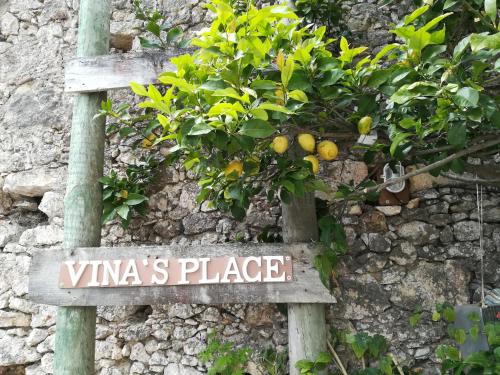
(304, 288)
(111, 72)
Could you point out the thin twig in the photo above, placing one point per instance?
(340, 135)
(430, 167)
(400, 370)
(336, 357)
(471, 180)
(478, 14)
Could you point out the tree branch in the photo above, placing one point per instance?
(471, 180)
(430, 167)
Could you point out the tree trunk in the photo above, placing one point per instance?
(75, 326)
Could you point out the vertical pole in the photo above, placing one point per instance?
(75, 326)
(306, 322)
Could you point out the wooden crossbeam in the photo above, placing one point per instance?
(304, 287)
(111, 72)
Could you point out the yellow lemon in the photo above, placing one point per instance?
(281, 96)
(124, 194)
(365, 125)
(328, 150)
(148, 141)
(307, 142)
(314, 161)
(280, 144)
(234, 166)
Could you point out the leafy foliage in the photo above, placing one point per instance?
(274, 363)
(254, 76)
(260, 73)
(124, 196)
(155, 24)
(308, 367)
(326, 13)
(226, 360)
(482, 362)
(257, 74)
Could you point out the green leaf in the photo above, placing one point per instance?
(262, 84)
(379, 77)
(429, 25)
(458, 166)
(174, 34)
(181, 83)
(419, 40)
(287, 72)
(123, 211)
(304, 364)
(238, 212)
(212, 85)
(135, 199)
(479, 359)
(108, 215)
(461, 47)
(228, 92)
(298, 95)
(474, 333)
(259, 113)
(289, 185)
(466, 97)
(200, 129)
(457, 135)
(497, 353)
(146, 43)
(415, 319)
(397, 140)
(460, 336)
(323, 357)
(449, 3)
(490, 7)
(153, 28)
(436, 316)
(385, 365)
(275, 107)
(415, 14)
(384, 51)
(256, 128)
(138, 89)
(344, 45)
(447, 351)
(359, 343)
(449, 314)
(331, 77)
(484, 41)
(324, 265)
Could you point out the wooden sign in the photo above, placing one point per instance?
(148, 271)
(211, 274)
(111, 72)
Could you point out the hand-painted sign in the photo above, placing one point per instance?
(174, 271)
(208, 274)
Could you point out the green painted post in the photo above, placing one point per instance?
(75, 326)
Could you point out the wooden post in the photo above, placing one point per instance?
(75, 326)
(306, 322)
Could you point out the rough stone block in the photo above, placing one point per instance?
(35, 182)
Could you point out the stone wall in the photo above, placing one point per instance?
(400, 258)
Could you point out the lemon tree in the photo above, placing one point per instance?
(263, 101)
(258, 83)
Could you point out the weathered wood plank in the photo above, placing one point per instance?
(305, 286)
(111, 72)
(306, 322)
